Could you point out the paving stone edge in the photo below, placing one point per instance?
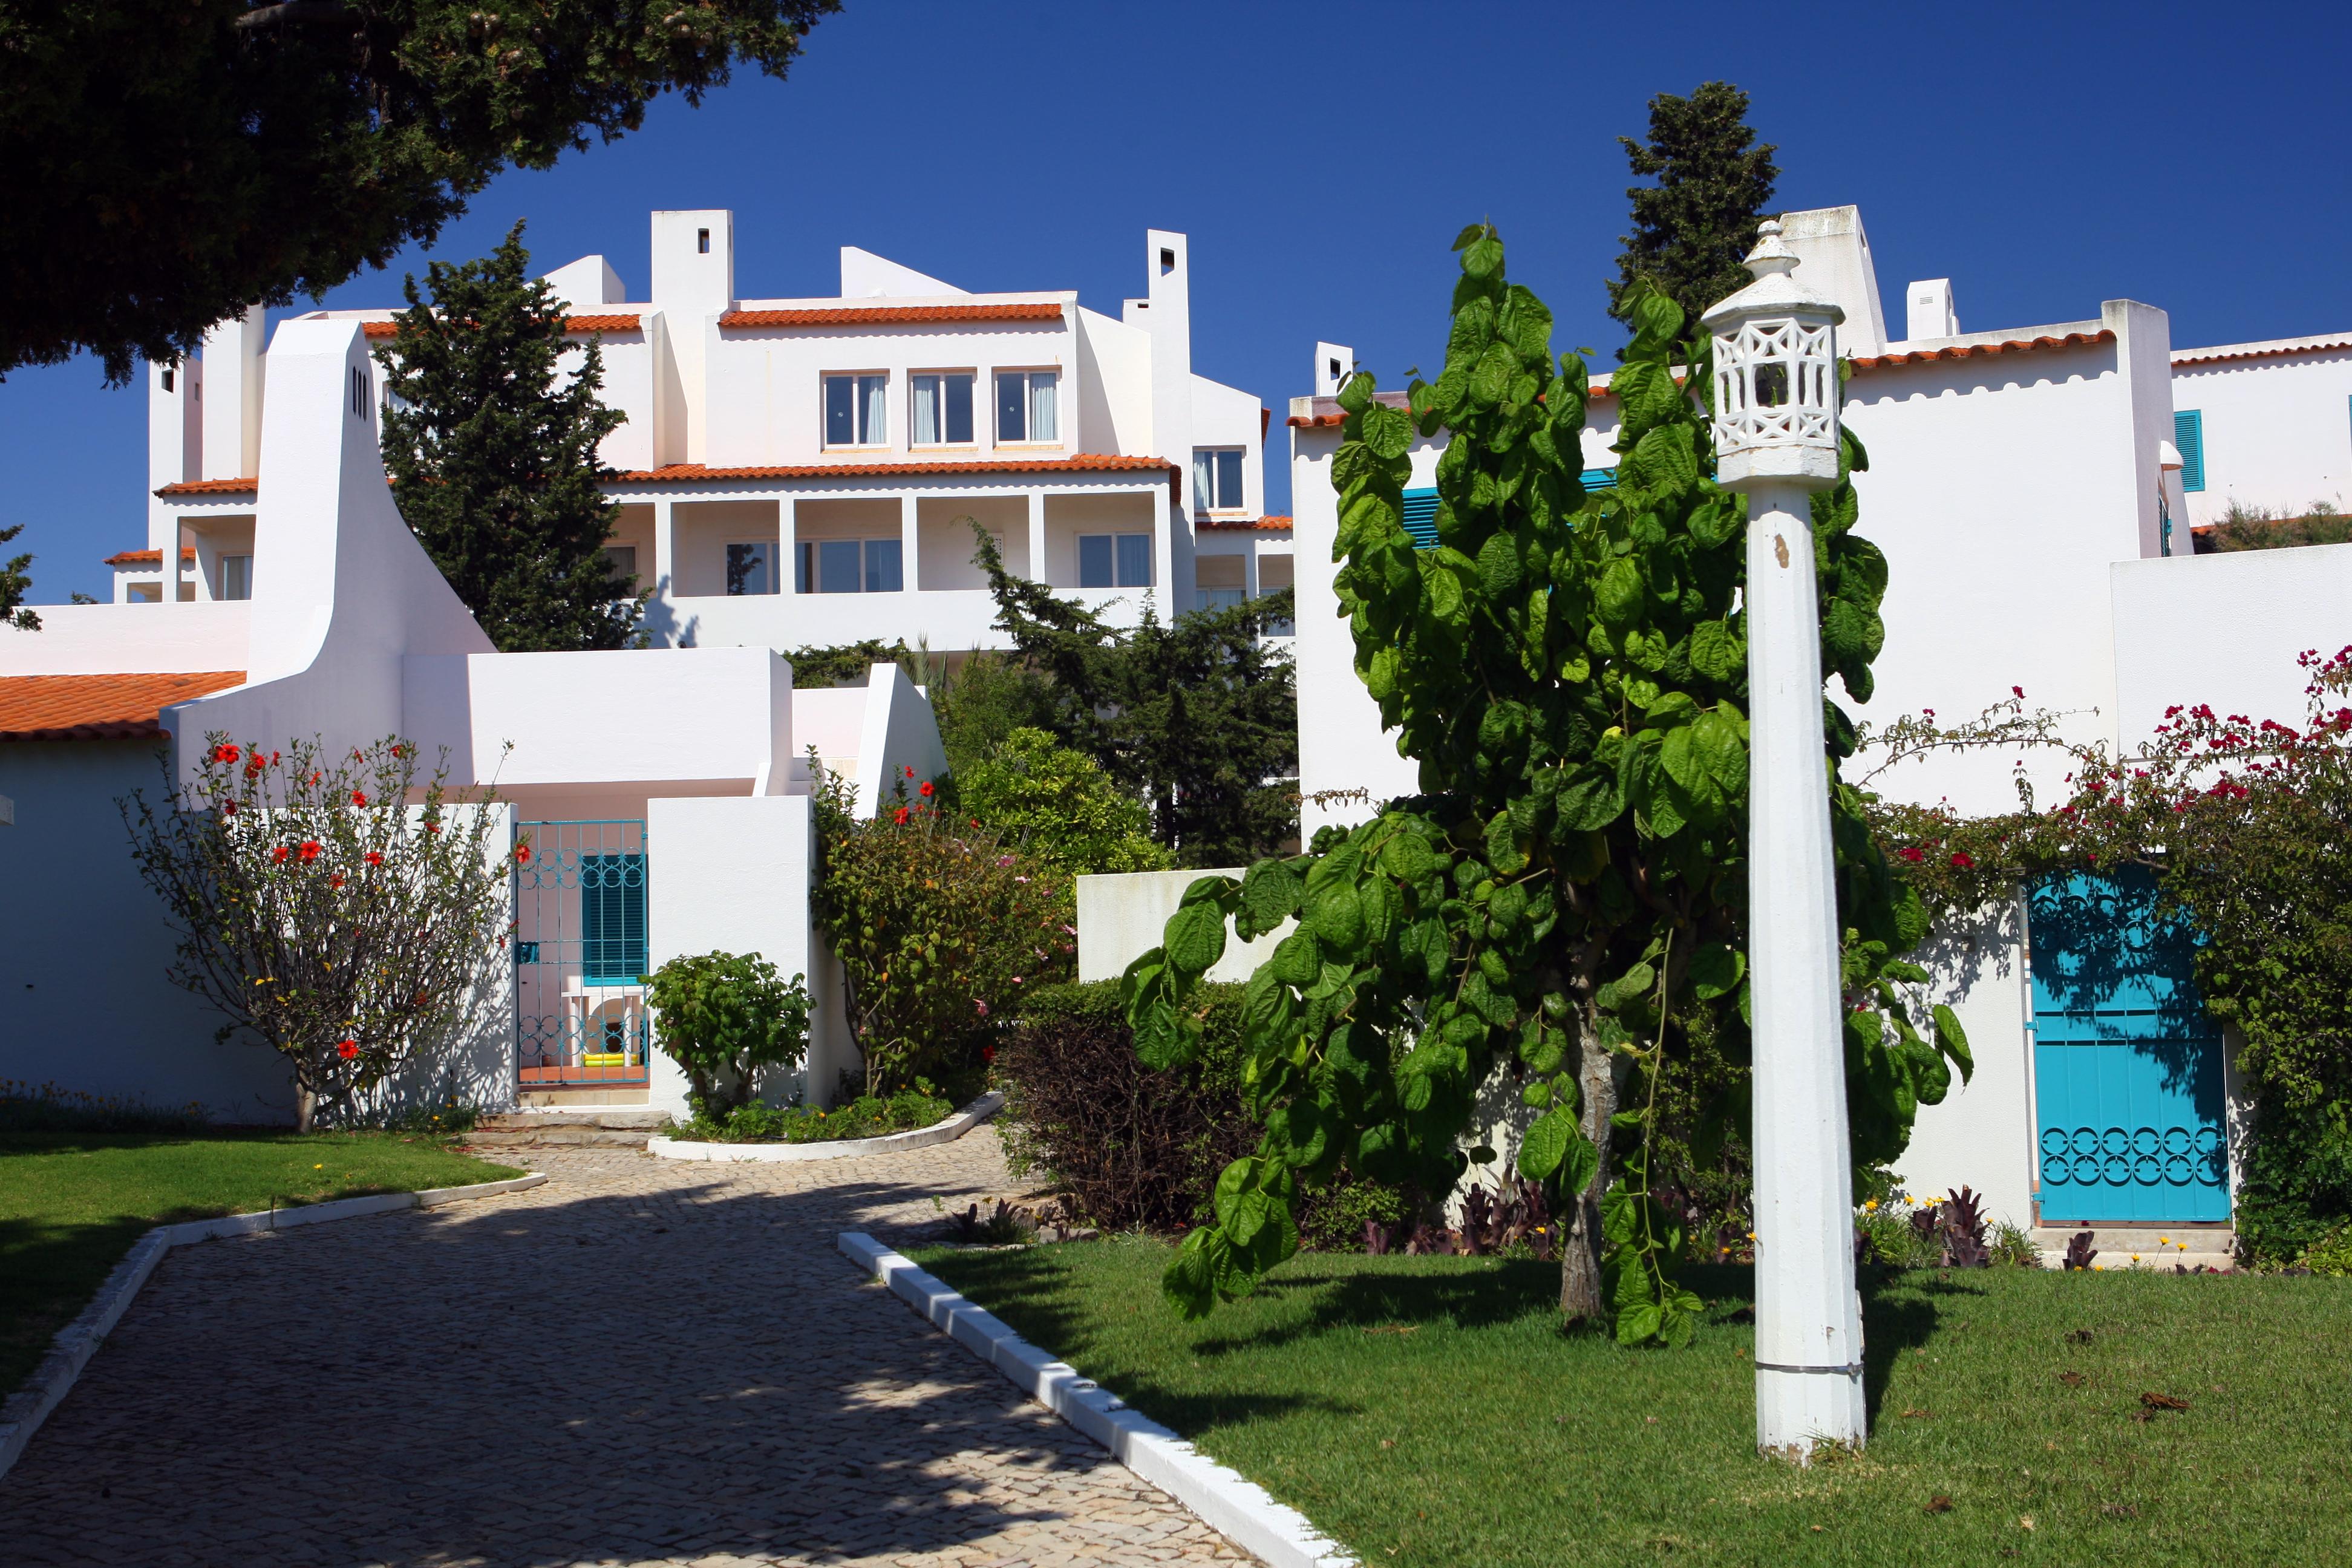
(1235, 1507)
(24, 1410)
(946, 1131)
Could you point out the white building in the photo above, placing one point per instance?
(802, 472)
(2033, 489)
(671, 815)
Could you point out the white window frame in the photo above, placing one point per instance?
(244, 569)
(808, 572)
(1028, 376)
(863, 408)
(1150, 566)
(914, 383)
(1206, 465)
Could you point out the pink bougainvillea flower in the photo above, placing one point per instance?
(2017, 691)
(926, 790)
(358, 797)
(375, 857)
(1914, 856)
(348, 1049)
(279, 854)
(311, 849)
(1005, 859)
(982, 1006)
(1963, 859)
(1020, 879)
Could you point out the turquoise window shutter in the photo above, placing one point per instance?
(2189, 435)
(1599, 478)
(1421, 518)
(612, 918)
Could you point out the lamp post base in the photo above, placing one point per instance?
(1798, 1408)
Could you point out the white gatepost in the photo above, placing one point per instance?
(1776, 439)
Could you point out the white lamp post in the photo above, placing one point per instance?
(1776, 439)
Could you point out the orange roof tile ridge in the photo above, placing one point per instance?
(2273, 348)
(211, 487)
(142, 557)
(891, 315)
(628, 322)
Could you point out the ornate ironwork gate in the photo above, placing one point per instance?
(579, 947)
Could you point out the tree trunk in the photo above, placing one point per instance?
(305, 1107)
(1581, 1297)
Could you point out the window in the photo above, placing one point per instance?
(237, 576)
(1217, 477)
(612, 918)
(855, 412)
(943, 409)
(702, 242)
(359, 392)
(1219, 582)
(144, 593)
(1114, 560)
(849, 566)
(1024, 405)
(2189, 435)
(621, 561)
(747, 569)
(167, 378)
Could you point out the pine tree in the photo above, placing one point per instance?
(1714, 182)
(492, 454)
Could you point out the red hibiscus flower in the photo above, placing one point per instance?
(988, 1053)
(1914, 856)
(899, 816)
(225, 753)
(311, 849)
(228, 808)
(522, 854)
(1963, 859)
(336, 881)
(358, 797)
(279, 854)
(926, 790)
(348, 1049)
(375, 857)
(910, 772)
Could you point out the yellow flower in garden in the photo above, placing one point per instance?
(1751, 1235)
(2164, 1241)
(1870, 1205)
(317, 1167)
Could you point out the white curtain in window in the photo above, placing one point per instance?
(876, 421)
(1040, 408)
(1204, 492)
(926, 410)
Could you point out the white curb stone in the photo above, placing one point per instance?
(25, 1410)
(946, 1131)
(1235, 1507)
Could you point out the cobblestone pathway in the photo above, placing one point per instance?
(642, 1361)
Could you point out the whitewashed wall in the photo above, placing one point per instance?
(1121, 917)
(2277, 427)
(2252, 613)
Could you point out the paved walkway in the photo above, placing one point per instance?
(642, 1361)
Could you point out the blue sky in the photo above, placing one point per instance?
(1322, 158)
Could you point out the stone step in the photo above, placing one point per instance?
(615, 1126)
(2158, 1246)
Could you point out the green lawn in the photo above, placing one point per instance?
(72, 1203)
(1429, 1411)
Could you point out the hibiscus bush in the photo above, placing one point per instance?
(333, 908)
(941, 928)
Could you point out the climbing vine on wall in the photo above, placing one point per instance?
(1564, 900)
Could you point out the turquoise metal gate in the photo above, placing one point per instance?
(2127, 1062)
(579, 947)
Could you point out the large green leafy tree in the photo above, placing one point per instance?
(1197, 716)
(491, 447)
(1565, 900)
(171, 162)
(1694, 224)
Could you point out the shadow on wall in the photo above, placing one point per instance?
(1961, 948)
(2105, 957)
(663, 626)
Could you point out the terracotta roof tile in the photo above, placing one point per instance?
(1084, 462)
(144, 557)
(894, 315)
(99, 706)
(244, 487)
(2261, 351)
(621, 323)
(1972, 350)
(1244, 524)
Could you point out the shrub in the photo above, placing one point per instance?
(722, 1016)
(941, 930)
(868, 1116)
(1132, 1148)
(320, 912)
(2298, 1184)
(1059, 806)
(46, 1108)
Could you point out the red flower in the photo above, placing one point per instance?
(982, 1006)
(315, 776)
(2017, 691)
(279, 854)
(910, 772)
(348, 1049)
(522, 854)
(358, 797)
(1963, 859)
(228, 808)
(432, 828)
(311, 850)
(988, 1053)
(336, 881)
(375, 857)
(225, 753)
(899, 816)
(1914, 856)
(926, 790)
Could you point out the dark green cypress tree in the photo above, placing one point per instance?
(1692, 227)
(492, 455)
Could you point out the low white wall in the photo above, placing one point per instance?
(1120, 916)
(900, 731)
(732, 875)
(1983, 1133)
(109, 639)
(2225, 629)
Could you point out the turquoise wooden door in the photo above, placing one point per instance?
(2127, 1062)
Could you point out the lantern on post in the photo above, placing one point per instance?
(1776, 439)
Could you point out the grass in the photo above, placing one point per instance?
(1429, 1411)
(72, 1203)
